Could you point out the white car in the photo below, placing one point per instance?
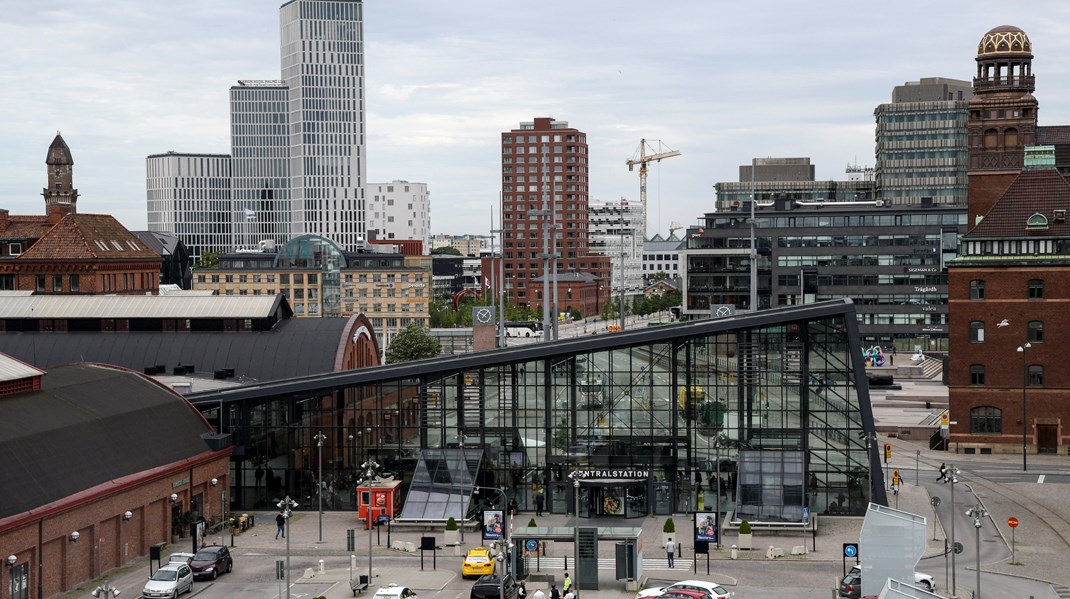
(169, 581)
(715, 590)
(180, 557)
(921, 579)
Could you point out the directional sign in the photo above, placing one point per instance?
(1012, 522)
(531, 545)
(850, 549)
(958, 547)
(935, 501)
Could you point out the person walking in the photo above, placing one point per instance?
(280, 523)
(568, 584)
(538, 594)
(570, 594)
(540, 500)
(670, 552)
(943, 473)
(554, 593)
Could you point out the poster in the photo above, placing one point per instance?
(493, 525)
(706, 526)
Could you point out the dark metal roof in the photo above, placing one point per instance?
(295, 347)
(447, 365)
(90, 424)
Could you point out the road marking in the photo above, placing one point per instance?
(1040, 479)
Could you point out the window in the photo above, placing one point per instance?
(986, 419)
(1035, 378)
(1036, 331)
(977, 374)
(977, 289)
(14, 249)
(977, 331)
(75, 284)
(1036, 289)
(57, 283)
(991, 139)
(41, 283)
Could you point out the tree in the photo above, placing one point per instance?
(661, 275)
(446, 250)
(208, 260)
(412, 343)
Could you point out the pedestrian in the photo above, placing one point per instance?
(540, 500)
(568, 583)
(280, 523)
(259, 474)
(539, 594)
(570, 594)
(893, 355)
(554, 593)
(670, 551)
(943, 473)
(521, 591)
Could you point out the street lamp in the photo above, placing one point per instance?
(320, 438)
(1025, 385)
(575, 476)
(977, 513)
(953, 479)
(287, 505)
(501, 549)
(370, 467)
(718, 443)
(222, 511)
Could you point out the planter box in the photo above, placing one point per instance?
(745, 540)
(451, 537)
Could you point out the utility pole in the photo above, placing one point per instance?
(753, 247)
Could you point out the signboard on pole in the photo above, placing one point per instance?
(493, 528)
(706, 526)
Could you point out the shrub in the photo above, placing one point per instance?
(670, 526)
(451, 524)
(531, 523)
(744, 528)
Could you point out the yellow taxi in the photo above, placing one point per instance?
(477, 562)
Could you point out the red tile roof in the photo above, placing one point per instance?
(1039, 190)
(16, 228)
(89, 237)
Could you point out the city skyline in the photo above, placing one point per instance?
(444, 80)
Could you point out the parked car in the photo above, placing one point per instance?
(715, 590)
(393, 591)
(921, 579)
(180, 557)
(487, 587)
(169, 581)
(686, 594)
(851, 586)
(477, 562)
(212, 560)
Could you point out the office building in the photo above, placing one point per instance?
(189, 195)
(616, 233)
(921, 143)
(398, 211)
(544, 198)
(766, 178)
(662, 255)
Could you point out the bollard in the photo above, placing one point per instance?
(321, 567)
(735, 552)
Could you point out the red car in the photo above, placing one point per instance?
(687, 594)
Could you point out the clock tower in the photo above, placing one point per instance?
(60, 188)
(1002, 116)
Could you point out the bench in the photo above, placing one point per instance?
(360, 585)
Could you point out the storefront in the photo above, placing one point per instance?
(613, 493)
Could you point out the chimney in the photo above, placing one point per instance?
(5, 222)
(56, 212)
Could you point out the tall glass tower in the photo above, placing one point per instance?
(260, 161)
(323, 70)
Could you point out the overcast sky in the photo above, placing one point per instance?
(720, 81)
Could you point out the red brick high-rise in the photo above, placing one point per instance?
(544, 182)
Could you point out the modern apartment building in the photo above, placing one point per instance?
(400, 210)
(616, 233)
(544, 199)
(921, 142)
(260, 164)
(662, 255)
(467, 245)
(190, 195)
(297, 163)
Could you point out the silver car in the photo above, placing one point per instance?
(169, 581)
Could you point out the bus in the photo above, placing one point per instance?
(529, 328)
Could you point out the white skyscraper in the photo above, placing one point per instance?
(260, 163)
(616, 232)
(400, 210)
(189, 195)
(323, 67)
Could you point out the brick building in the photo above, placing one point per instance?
(63, 252)
(545, 196)
(1007, 289)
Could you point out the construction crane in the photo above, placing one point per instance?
(642, 158)
(674, 227)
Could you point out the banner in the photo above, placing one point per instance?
(493, 525)
(706, 526)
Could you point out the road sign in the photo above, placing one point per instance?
(958, 547)
(944, 419)
(1012, 522)
(532, 545)
(935, 501)
(887, 451)
(850, 549)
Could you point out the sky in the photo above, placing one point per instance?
(720, 81)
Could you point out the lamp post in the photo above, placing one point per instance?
(622, 268)
(954, 474)
(575, 476)
(320, 438)
(287, 505)
(753, 247)
(718, 443)
(1025, 385)
(501, 550)
(977, 513)
(222, 511)
(370, 467)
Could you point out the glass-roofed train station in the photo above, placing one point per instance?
(765, 415)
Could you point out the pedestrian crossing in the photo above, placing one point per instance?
(1061, 591)
(607, 563)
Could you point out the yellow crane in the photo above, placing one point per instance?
(642, 158)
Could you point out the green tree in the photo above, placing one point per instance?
(208, 260)
(661, 275)
(446, 250)
(412, 343)
(442, 315)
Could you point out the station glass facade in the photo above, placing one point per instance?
(763, 415)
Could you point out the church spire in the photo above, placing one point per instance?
(60, 163)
